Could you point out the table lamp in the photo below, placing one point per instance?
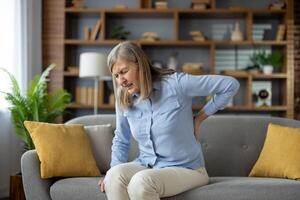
(93, 65)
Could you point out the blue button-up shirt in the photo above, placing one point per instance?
(163, 123)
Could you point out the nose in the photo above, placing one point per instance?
(122, 80)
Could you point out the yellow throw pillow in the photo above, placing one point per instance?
(63, 150)
(280, 156)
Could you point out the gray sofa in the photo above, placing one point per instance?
(231, 146)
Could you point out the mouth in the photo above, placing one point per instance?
(127, 86)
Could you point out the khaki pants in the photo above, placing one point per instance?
(131, 181)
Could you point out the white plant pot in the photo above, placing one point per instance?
(268, 69)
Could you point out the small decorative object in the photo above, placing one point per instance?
(193, 68)
(78, 3)
(118, 32)
(197, 36)
(236, 34)
(150, 36)
(279, 5)
(261, 93)
(173, 62)
(120, 6)
(146, 4)
(280, 32)
(200, 4)
(161, 4)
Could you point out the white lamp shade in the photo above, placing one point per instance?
(92, 64)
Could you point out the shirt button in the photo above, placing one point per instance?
(245, 146)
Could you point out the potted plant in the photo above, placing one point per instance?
(36, 105)
(119, 32)
(267, 62)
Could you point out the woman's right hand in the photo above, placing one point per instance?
(101, 184)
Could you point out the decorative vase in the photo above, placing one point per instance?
(268, 69)
(236, 34)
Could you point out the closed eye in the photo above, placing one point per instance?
(122, 72)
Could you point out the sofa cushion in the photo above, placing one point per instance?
(77, 189)
(280, 154)
(219, 188)
(63, 150)
(101, 140)
(244, 188)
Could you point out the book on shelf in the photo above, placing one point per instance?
(280, 32)
(87, 33)
(96, 30)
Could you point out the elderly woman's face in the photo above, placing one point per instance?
(127, 76)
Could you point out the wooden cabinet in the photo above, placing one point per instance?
(217, 53)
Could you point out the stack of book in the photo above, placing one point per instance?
(200, 4)
(85, 95)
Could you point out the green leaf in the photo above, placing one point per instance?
(36, 105)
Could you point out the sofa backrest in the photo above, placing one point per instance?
(231, 144)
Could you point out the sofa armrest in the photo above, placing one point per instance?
(34, 186)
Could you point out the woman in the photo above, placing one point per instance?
(155, 107)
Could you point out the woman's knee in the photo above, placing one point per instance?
(141, 184)
(117, 174)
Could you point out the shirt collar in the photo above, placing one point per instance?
(156, 86)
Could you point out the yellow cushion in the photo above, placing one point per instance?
(63, 150)
(280, 156)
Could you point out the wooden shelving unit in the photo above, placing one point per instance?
(59, 19)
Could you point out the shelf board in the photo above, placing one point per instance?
(83, 10)
(75, 105)
(244, 74)
(172, 10)
(109, 42)
(175, 43)
(250, 108)
(270, 76)
(249, 43)
(90, 42)
(234, 108)
(253, 108)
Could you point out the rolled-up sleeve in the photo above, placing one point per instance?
(121, 140)
(221, 88)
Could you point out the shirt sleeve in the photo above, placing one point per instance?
(221, 88)
(121, 140)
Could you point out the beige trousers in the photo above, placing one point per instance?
(131, 181)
